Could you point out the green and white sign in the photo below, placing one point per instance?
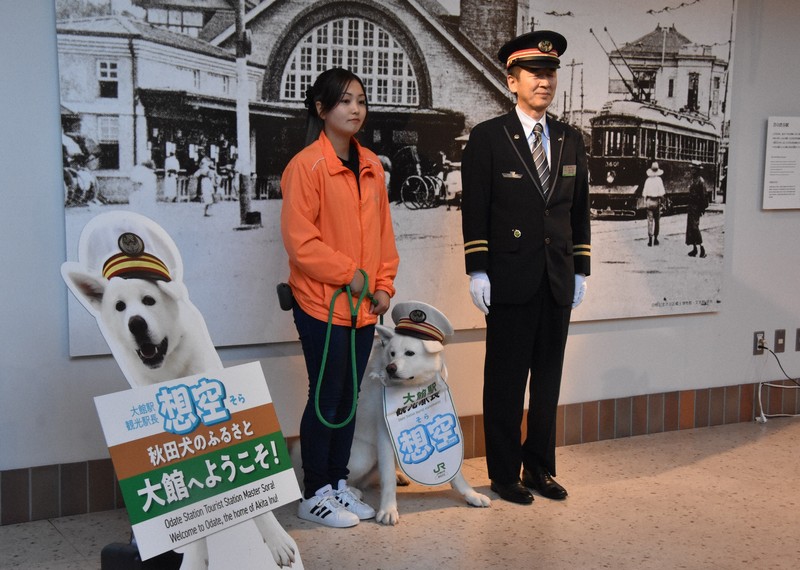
(197, 455)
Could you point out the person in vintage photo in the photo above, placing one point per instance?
(698, 203)
(337, 230)
(172, 167)
(653, 193)
(144, 192)
(81, 183)
(207, 179)
(526, 229)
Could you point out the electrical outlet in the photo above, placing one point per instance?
(780, 340)
(758, 343)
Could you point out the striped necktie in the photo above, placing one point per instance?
(540, 158)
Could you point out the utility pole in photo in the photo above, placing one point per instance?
(243, 163)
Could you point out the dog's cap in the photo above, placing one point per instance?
(129, 245)
(420, 320)
(133, 262)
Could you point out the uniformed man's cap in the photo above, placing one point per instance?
(420, 320)
(129, 245)
(538, 49)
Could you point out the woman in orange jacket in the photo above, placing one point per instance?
(335, 223)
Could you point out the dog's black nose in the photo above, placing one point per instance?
(137, 325)
(391, 368)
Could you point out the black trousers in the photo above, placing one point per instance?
(522, 342)
(325, 451)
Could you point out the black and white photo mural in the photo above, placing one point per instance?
(188, 111)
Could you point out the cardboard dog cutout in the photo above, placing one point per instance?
(129, 276)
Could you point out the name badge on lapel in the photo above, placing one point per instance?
(569, 170)
(512, 174)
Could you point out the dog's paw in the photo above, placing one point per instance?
(402, 480)
(477, 499)
(280, 544)
(282, 554)
(388, 516)
(282, 550)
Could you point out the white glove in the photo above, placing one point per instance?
(480, 290)
(580, 290)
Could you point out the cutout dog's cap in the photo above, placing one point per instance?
(133, 262)
(130, 246)
(420, 320)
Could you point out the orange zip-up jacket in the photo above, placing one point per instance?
(329, 231)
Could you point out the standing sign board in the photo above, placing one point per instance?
(197, 455)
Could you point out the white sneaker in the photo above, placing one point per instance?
(323, 508)
(350, 499)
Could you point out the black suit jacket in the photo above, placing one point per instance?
(511, 230)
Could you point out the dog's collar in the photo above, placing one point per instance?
(421, 330)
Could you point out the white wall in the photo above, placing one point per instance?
(47, 413)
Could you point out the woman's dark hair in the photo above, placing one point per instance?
(328, 89)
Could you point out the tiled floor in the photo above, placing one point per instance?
(723, 497)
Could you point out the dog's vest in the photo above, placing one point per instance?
(425, 432)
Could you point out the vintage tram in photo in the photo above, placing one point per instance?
(627, 136)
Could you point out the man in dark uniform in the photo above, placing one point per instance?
(527, 250)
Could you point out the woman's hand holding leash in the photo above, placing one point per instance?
(357, 283)
(380, 303)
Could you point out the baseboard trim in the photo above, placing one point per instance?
(52, 491)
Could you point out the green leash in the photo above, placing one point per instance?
(353, 320)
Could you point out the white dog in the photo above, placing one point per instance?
(129, 277)
(154, 332)
(398, 360)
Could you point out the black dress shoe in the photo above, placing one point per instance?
(513, 492)
(541, 482)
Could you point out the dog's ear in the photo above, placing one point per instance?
(87, 288)
(433, 346)
(384, 332)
